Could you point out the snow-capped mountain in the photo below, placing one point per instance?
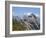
(17, 18)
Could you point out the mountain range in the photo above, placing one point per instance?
(32, 22)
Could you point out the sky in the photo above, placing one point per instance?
(20, 11)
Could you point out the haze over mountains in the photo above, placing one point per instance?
(30, 21)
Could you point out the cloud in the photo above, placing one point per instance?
(28, 13)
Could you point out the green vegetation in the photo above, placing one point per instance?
(18, 25)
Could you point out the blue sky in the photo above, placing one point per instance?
(20, 11)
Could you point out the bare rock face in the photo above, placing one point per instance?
(33, 22)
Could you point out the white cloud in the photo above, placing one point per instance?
(28, 13)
